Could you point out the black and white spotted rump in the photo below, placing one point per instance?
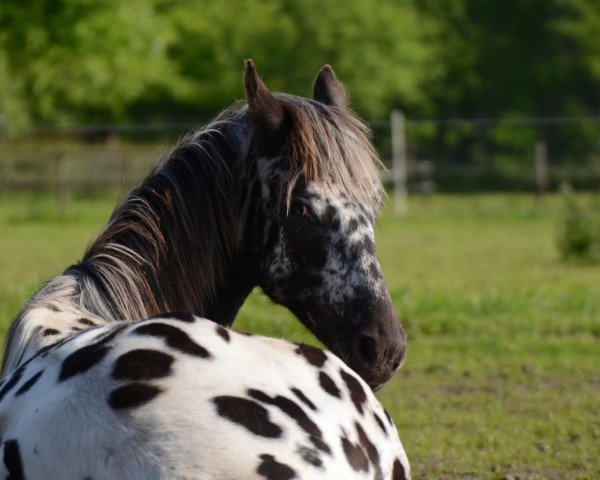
(171, 399)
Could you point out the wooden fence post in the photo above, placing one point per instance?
(63, 181)
(399, 163)
(541, 170)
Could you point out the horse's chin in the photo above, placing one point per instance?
(374, 378)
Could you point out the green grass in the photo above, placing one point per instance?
(503, 370)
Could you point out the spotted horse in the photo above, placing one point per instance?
(279, 192)
(185, 398)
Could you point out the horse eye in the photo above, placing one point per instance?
(299, 209)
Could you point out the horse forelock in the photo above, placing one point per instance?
(332, 147)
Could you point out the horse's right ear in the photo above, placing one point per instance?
(328, 90)
(266, 112)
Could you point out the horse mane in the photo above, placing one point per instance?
(165, 246)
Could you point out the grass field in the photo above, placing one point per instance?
(502, 378)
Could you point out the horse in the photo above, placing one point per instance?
(279, 192)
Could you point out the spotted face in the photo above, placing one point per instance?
(317, 195)
(320, 262)
(326, 254)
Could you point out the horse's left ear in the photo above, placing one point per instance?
(266, 111)
(328, 89)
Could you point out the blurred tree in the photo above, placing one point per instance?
(79, 60)
(84, 61)
(509, 58)
(374, 46)
(66, 61)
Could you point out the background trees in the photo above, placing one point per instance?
(81, 61)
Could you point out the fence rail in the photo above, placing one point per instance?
(422, 155)
(111, 164)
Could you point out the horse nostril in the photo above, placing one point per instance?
(367, 351)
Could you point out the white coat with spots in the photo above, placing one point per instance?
(184, 398)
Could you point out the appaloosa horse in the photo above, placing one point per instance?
(281, 193)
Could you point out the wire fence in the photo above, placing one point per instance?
(536, 154)
(499, 154)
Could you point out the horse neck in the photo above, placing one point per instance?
(175, 244)
(178, 243)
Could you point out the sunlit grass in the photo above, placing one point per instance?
(502, 372)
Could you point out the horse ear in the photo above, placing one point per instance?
(267, 113)
(328, 89)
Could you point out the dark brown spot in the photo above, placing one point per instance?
(380, 422)
(174, 337)
(271, 469)
(247, 413)
(303, 398)
(82, 360)
(223, 333)
(132, 395)
(398, 472)
(86, 357)
(368, 446)
(11, 382)
(87, 322)
(310, 456)
(355, 455)
(329, 385)
(12, 460)
(142, 364)
(389, 419)
(29, 383)
(357, 393)
(49, 332)
(294, 411)
(44, 350)
(314, 356)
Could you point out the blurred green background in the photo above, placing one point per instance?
(81, 61)
(479, 81)
(499, 292)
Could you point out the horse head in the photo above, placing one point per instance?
(313, 227)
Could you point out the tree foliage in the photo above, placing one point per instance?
(79, 60)
(500, 57)
(82, 61)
